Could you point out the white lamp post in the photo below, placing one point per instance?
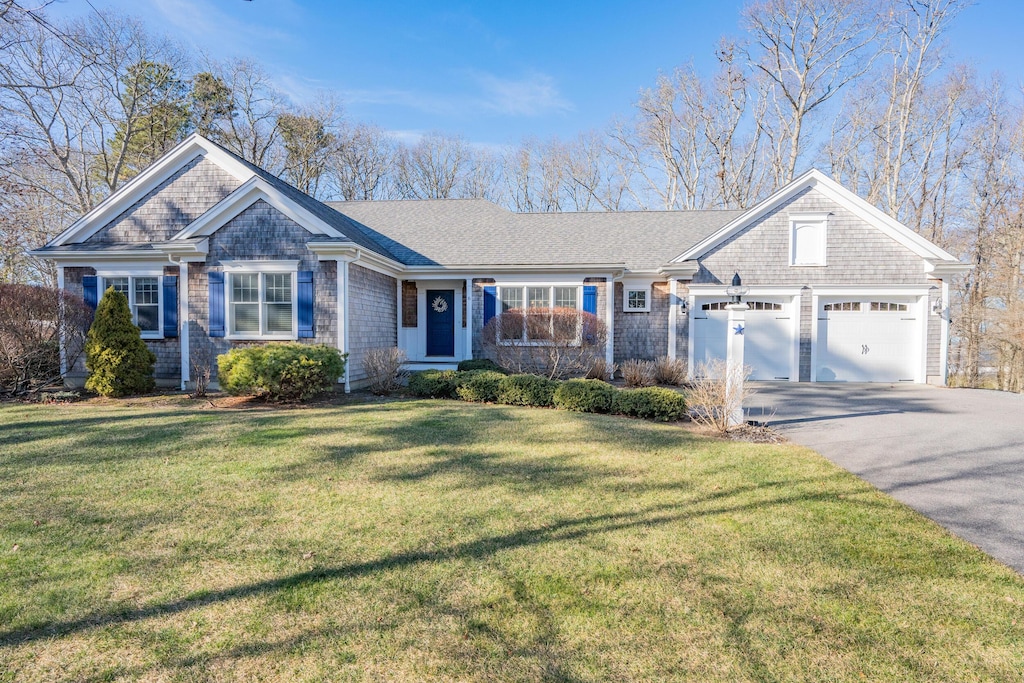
(734, 374)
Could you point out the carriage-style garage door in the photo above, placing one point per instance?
(769, 343)
(867, 340)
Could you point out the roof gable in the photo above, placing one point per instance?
(185, 153)
(250, 192)
(815, 179)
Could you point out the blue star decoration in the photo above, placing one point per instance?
(738, 329)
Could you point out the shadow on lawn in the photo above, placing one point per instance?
(561, 531)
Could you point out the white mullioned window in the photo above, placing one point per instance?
(636, 299)
(261, 298)
(529, 298)
(143, 294)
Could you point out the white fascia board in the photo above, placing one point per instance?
(941, 269)
(353, 253)
(245, 196)
(871, 290)
(80, 259)
(182, 248)
(138, 187)
(830, 188)
(593, 269)
(684, 270)
(753, 290)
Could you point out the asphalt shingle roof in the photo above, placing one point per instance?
(478, 232)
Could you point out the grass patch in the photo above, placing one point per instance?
(435, 540)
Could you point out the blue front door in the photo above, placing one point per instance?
(440, 322)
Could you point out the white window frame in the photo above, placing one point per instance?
(819, 220)
(133, 274)
(524, 290)
(260, 269)
(627, 289)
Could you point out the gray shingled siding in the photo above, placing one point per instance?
(858, 253)
(642, 335)
(682, 324)
(933, 368)
(173, 205)
(260, 233)
(808, 319)
(372, 316)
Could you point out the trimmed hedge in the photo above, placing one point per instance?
(286, 371)
(433, 383)
(481, 364)
(479, 386)
(652, 403)
(585, 396)
(527, 390)
(577, 395)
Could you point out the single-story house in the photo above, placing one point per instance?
(213, 251)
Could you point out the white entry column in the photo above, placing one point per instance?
(734, 374)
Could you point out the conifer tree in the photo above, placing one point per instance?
(115, 355)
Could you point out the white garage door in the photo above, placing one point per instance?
(768, 345)
(867, 340)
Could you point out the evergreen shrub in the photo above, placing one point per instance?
(118, 361)
(285, 371)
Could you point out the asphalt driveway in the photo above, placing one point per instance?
(955, 455)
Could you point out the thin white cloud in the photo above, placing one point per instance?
(205, 24)
(534, 95)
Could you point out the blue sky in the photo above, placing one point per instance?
(495, 71)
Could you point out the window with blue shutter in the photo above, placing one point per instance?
(170, 304)
(590, 299)
(216, 323)
(89, 291)
(490, 302)
(305, 302)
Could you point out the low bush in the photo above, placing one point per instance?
(281, 371)
(527, 390)
(481, 386)
(584, 396)
(601, 369)
(638, 373)
(481, 364)
(433, 383)
(670, 371)
(652, 403)
(385, 369)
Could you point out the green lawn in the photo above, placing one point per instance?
(161, 539)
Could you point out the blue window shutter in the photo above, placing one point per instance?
(305, 279)
(170, 304)
(89, 292)
(216, 325)
(490, 303)
(590, 299)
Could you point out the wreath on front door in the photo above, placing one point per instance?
(440, 304)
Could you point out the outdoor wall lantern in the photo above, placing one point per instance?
(736, 290)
